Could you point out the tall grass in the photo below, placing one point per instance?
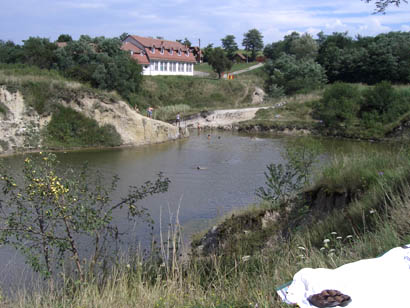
(166, 113)
(362, 170)
(198, 93)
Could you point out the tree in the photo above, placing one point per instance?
(102, 63)
(48, 211)
(185, 42)
(293, 75)
(382, 5)
(206, 52)
(10, 52)
(253, 42)
(274, 50)
(40, 52)
(64, 38)
(305, 47)
(219, 61)
(230, 46)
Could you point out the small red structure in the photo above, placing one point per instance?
(260, 59)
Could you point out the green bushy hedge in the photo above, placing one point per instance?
(369, 111)
(69, 128)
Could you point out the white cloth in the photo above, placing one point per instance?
(382, 282)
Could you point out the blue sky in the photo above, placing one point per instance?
(209, 20)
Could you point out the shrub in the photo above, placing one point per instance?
(383, 104)
(3, 108)
(50, 210)
(339, 105)
(285, 181)
(293, 75)
(70, 128)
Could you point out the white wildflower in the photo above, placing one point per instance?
(245, 258)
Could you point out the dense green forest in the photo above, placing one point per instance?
(300, 62)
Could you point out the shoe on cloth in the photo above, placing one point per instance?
(329, 298)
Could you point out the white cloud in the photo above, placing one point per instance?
(372, 27)
(84, 5)
(405, 28)
(211, 20)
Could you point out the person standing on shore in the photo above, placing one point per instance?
(178, 120)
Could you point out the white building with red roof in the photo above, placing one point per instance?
(160, 57)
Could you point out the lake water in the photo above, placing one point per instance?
(232, 168)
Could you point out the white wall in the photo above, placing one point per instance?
(168, 72)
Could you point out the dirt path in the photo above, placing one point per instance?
(221, 118)
(245, 70)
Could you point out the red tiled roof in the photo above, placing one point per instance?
(141, 58)
(149, 42)
(241, 56)
(61, 44)
(130, 47)
(166, 55)
(137, 53)
(170, 50)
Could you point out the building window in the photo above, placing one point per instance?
(162, 66)
(162, 50)
(152, 49)
(181, 65)
(179, 52)
(165, 66)
(171, 51)
(174, 66)
(156, 66)
(187, 53)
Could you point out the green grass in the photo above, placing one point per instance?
(197, 94)
(206, 68)
(167, 113)
(295, 113)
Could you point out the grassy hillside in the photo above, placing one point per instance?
(205, 67)
(171, 94)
